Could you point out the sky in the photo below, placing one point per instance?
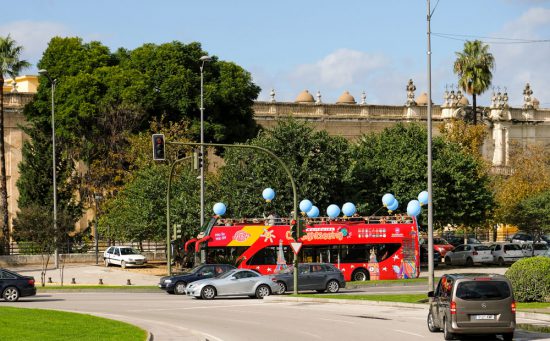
(326, 46)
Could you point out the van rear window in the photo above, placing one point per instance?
(483, 290)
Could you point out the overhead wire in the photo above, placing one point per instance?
(496, 40)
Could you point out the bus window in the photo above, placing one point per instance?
(265, 256)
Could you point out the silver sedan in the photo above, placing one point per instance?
(238, 282)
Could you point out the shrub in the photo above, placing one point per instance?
(530, 279)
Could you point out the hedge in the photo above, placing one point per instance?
(530, 279)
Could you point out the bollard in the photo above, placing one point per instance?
(101, 281)
(128, 282)
(73, 281)
(50, 280)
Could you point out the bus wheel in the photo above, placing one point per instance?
(360, 275)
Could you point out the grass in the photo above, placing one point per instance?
(407, 298)
(44, 325)
(532, 305)
(389, 281)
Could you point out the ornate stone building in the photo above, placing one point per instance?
(346, 117)
(525, 125)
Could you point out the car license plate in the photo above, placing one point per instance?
(484, 317)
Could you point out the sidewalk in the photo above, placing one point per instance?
(86, 274)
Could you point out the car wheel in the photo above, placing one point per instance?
(508, 336)
(333, 286)
(208, 292)
(469, 262)
(431, 323)
(501, 261)
(282, 288)
(360, 275)
(447, 335)
(11, 294)
(123, 264)
(448, 261)
(179, 288)
(106, 262)
(262, 291)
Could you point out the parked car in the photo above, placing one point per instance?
(176, 284)
(469, 254)
(533, 249)
(237, 282)
(545, 254)
(123, 256)
(458, 240)
(506, 253)
(472, 304)
(14, 285)
(424, 256)
(311, 276)
(440, 245)
(525, 237)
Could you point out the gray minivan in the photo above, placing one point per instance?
(472, 304)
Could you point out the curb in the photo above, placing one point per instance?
(278, 298)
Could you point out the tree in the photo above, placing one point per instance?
(473, 67)
(317, 161)
(533, 214)
(34, 224)
(469, 137)
(394, 161)
(530, 177)
(11, 65)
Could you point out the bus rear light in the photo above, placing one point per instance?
(453, 308)
(513, 307)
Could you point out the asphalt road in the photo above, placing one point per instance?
(170, 317)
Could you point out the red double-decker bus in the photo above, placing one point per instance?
(372, 248)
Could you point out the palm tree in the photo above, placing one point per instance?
(11, 65)
(473, 67)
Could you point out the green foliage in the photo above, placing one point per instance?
(395, 161)
(533, 214)
(530, 280)
(317, 162)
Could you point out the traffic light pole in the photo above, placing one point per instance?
(168, 246)
(276, 158)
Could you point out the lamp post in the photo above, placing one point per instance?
(54, 82)
(203, 59)
(97, 198)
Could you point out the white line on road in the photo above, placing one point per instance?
(409, 333)
(203, 307)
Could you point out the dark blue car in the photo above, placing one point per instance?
(176, 284)
(14, 285)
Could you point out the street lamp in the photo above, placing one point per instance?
(97, 198)
(203, 59)
(53, 82)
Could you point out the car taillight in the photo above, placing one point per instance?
(31, 281)
(513, 307)
(475, 253)
(453, 308)
(273, 279)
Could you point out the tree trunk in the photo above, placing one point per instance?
(474, 107)
(3, 180)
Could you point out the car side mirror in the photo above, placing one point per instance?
(233, 278)
(431, 294)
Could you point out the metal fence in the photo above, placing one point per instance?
(88, 247)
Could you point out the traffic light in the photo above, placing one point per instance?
(293, 229)
(158, 147)
(197, 159)
(178, 231)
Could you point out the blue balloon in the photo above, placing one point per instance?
(423, 198)
(348, 209)
(268, 194)
(413, 208)
(313, 212)
(219, 208)
(388, 199)
(305, 205)
(333, 211)
(394, 205)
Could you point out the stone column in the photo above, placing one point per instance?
(500, 116)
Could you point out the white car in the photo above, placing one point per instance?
(506, 253)
(123, 256)
(535, 249)
(469, 254)
(238, 282)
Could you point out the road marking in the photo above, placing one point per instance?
(409, 333)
